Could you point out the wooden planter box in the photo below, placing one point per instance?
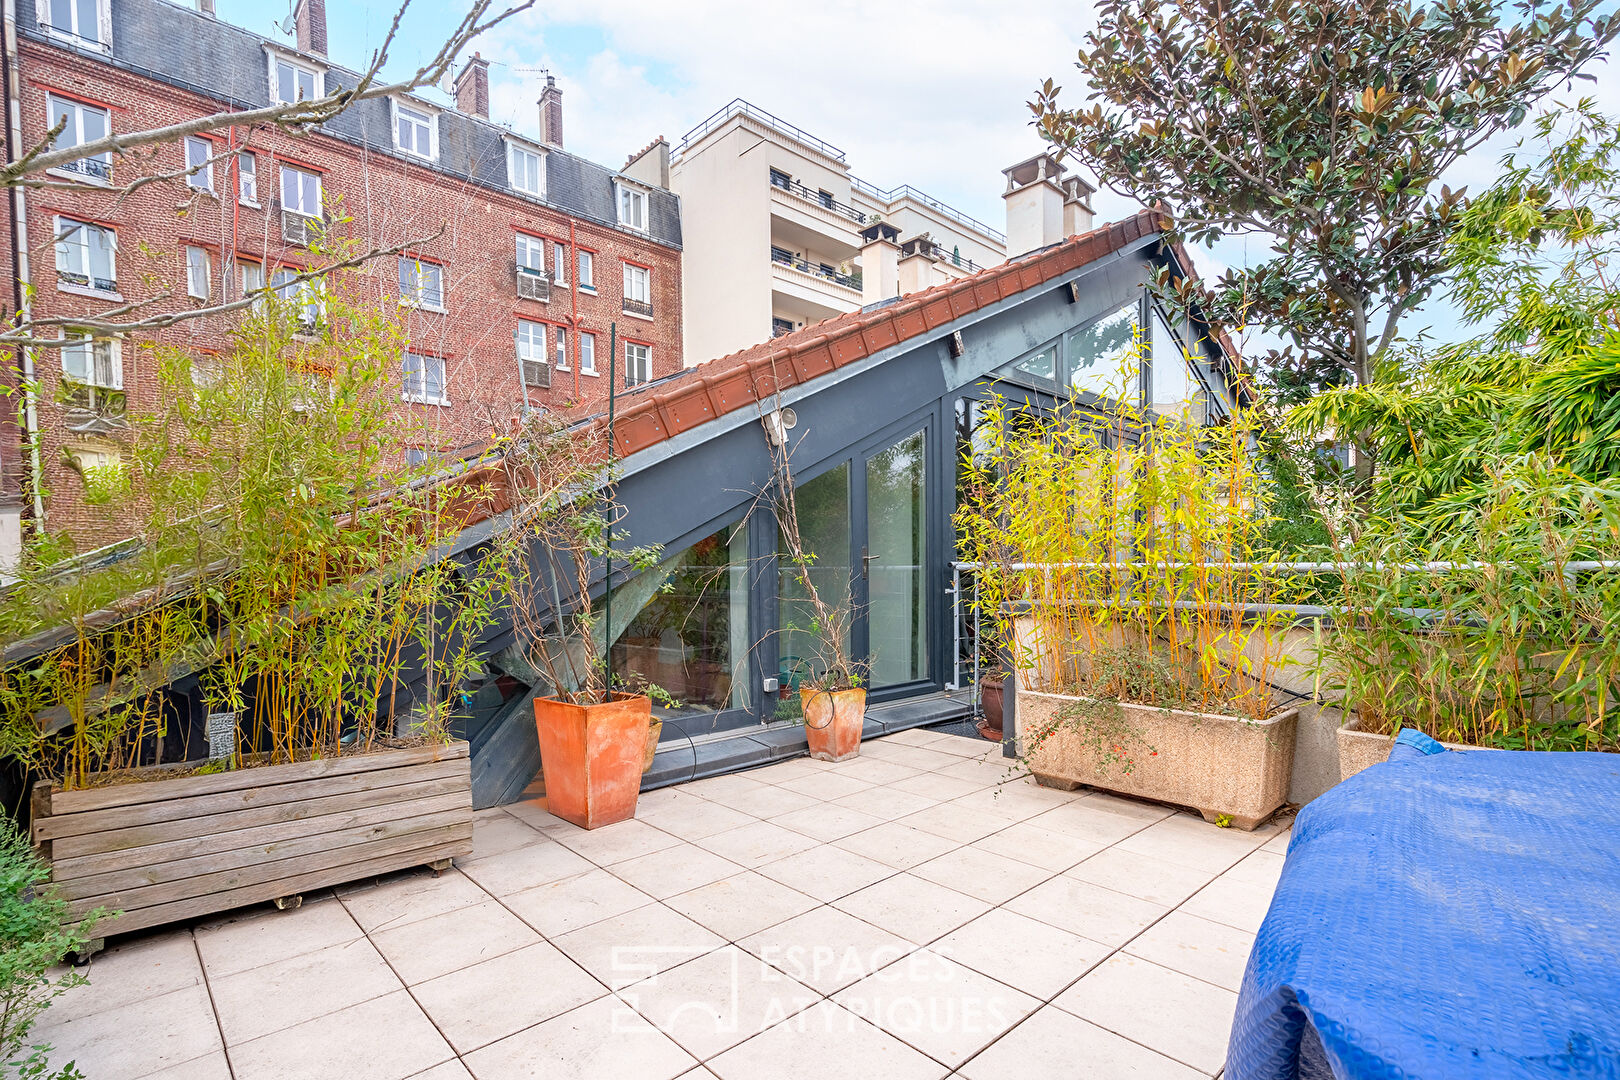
(164, 850)
(1219, 765)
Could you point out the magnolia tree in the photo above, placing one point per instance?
(1324, 130)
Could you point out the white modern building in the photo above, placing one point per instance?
(778, 234)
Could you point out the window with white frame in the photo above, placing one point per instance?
(251, 276)
(197, 273)
(86, 255)
(82, 20)
(291, 82)
(199, 164)
(637, 363)
(308, 297)
(415, 130)
(80, 124)
(247, 179)
(423, 378)
(301, 191)
(587, 270)
(587, 354)
(559, 263)
(531, 340)
(95, 371)
(525, 169)
(637, 283)
(531, 254)
(562, 349)
(421, 284)
(632, 208)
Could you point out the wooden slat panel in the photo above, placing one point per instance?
(174, 850)
(249, 847)
(454, 846)
(348, 846)
(60, 824)
(145, 835)
(74, 802)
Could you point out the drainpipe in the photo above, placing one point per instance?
(573, 297)
(227, 258)
(18, 213)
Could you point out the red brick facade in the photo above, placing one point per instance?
(388, 201)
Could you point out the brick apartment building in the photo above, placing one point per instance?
(536, 251)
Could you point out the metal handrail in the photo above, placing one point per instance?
(739, 107)
(803, 265)
(906, 190)
(638, 307)
(809, 194)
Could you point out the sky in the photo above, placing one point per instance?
(930, 94)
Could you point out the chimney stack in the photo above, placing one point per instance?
(880, 262)
(551, 114)
(472, 87)
(650, 164)
(206, 7)
(1035, 199)
(310, 17)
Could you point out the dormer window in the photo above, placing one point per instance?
(83, 22)
(526, 169)
(632, 207)
(416, 131)
(292, 82)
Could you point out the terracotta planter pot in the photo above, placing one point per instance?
(1222, 766)
(990, 691)
(1360, 750)
(832, 722)
(591, 756)
(655, 729)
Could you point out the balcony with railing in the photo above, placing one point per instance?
(739, 107)
(783, 257)
(906, 191)
(922, 245)
(638, 307)
(822, 199)
(91, 168)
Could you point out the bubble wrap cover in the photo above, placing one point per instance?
(1444, 916)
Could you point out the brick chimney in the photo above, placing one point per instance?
(206, 7)
(472, 87)
(551, 114)
(310, 16)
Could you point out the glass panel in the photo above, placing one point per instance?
(823, 513)
(1043, 365)
(896, 525)
(1099, 356)
(691, 638)
(1174, 387)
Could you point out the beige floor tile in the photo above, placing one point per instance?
(1088, 910)
(961, 746)
(886, 803)
(257, 936)
(717, 788)
(642, 942)
(533, 812)
(410, 896)
(755, 844)
(694, 822)
(285, 993)
(386, 1038)
(1142, 876)
(984, 774)
(993, 878)
(135, 1039)
(525, 868)
(1087, 821)
(770, 800)
(936, 1005)
(615, 843)
(915, 736)
(674, 870)
(494, 833)
(934, 786)
(556, 908)
(915, 909)
(828, 786)
(449, 1070)
(664, 798)
(208, 1067)
(713, 1003)
(1055, 1045)
(1046, 848)
(699, 1073)
(1174, 1014)
(743, 904)
(1206, 950)
(1136, 809)
(826, 821)
(792, 769)
(478, 1005)
(827, 949)
(138, 970)
(897, 844)
(602, 1040)
(917, 757)
(875, 771)
(1241, 896)
(1193, 842)
(957, 822)
(826, 872)
(424, 950)
(824, 1042)
(1024, 953)
(1279, 842)
(1018, 801)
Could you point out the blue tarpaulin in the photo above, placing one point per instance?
(1444, 915)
